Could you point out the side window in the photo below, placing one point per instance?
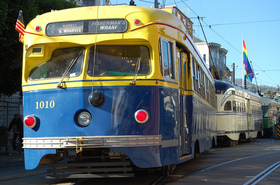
(194, 74)
(164, 46)
(168, 59)
(203, 84)
(207, 89)
(198, 75)
(227, 106)
(234, 106)
(238, 106)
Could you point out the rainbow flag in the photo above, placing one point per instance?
(249, 73)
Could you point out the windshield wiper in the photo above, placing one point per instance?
(136, 71)
(69, 67)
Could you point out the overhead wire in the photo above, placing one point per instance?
(266, 74)
(220, 24)
(210, 27)
(248, 22)
(175, 3)
(147, 1)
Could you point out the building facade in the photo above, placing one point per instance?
(215, 59)
(9, 106)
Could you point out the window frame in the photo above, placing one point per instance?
(44, 68)
(171, 55)
(228, 106)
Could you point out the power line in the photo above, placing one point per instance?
(211, 28)
(249, 22)
(225, 39)
(175, 3)
(264, 70)
(266, 74)
(221, 24)
(147, 1)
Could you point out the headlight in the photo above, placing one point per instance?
(84, 118)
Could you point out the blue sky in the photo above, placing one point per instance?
(256, 21)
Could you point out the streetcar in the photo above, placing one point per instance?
(239, 114)
(113, 89)
(271, 116)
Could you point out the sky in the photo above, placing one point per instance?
(255, 21)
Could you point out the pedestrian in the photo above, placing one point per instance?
(17, 126)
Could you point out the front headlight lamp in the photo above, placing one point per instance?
(84, 118)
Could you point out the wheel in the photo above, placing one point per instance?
(9, 147)
(167, 170)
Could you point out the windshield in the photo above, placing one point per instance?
(118, 60)
(57, 65)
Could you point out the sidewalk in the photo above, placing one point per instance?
(15, 159)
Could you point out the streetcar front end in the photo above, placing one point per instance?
(91, 92)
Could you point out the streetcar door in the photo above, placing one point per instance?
(182, 63)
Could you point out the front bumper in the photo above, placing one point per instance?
(79, 142)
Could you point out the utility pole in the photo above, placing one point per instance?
(233, 73)
(156, 3)
(245, 85)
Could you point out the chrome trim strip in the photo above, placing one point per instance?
(92, 141)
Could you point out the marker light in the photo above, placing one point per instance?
(30, 121)
(141, 116)
(38, 28)
(136, 22)
(84, 118)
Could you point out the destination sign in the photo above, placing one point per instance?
(87, 27)
(108, 26)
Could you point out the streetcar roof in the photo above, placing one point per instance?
(148, 16)
(222, 87)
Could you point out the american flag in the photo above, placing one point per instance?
(20, 26)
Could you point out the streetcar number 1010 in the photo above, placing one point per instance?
(45, 104)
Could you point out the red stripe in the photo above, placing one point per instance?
(159, 24)
(198, 54)
(33, 33)
(21, 29)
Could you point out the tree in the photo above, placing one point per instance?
(268, 93)
(11, 49)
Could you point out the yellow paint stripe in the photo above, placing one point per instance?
(52, 85)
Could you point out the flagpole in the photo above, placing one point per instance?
(243, 75)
